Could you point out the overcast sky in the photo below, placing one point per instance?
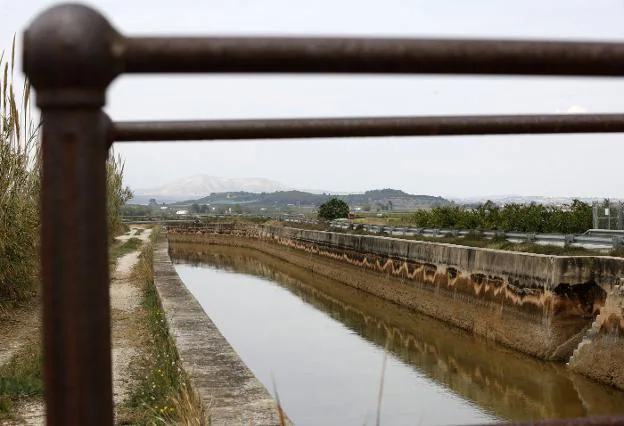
(569, 165)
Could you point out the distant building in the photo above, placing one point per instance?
(182, 212)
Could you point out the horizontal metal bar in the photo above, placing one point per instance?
(365, 55)
(367, 127)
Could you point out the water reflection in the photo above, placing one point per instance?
(499, 381)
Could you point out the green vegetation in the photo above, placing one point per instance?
(20, 186)
(161, 393)
(135, 210)
(307, 198)
(333, 209)
(19, 192)
(573, 219)
(118, 195)
(21, 378)
(20, 168)
(126, 247)
(283, 202)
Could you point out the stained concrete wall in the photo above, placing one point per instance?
(585, 326)
(542, 305)
(228, 389)
(601, 353)
(526, 270)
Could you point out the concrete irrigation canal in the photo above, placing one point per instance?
(346, 329)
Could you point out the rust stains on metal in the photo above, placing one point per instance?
(69, 56)
(361, 55)
(363, 127)
(68, 59)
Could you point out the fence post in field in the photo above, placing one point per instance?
(71, 54)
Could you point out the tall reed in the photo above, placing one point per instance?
(20, 167)
(19, 189)
(117, 193)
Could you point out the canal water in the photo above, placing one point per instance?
(336, 355)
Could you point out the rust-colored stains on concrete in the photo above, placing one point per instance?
(476, 371)
(545, 306)
(601, 353)
(230, 391)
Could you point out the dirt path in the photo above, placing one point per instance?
(17, 329)
(127, 335)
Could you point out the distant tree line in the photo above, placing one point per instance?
(571, 219)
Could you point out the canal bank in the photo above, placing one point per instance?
(230, 392)
(322, 342)
(545, 306)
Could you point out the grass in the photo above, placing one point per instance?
(21, 378)
(128, 246)
(161, 393)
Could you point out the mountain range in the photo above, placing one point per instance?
(378, 199)
(199, 186)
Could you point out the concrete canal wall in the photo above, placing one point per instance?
(564, 308)
(600, 355)
(228, 389)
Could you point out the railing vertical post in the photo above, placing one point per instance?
(70, 57)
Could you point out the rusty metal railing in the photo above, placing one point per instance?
(363, 127)
(71, 54)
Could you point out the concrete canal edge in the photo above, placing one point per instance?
(230, 392)
(568, 309)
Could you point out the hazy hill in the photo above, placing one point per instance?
(384, 199)
(202, 185)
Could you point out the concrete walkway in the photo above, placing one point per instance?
(227, 387)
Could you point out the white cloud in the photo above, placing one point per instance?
(574, 109)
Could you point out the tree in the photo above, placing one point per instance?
(333, 209)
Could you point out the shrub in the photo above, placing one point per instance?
(333, 209)
(573, 219)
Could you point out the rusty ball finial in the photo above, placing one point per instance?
(71, 54)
